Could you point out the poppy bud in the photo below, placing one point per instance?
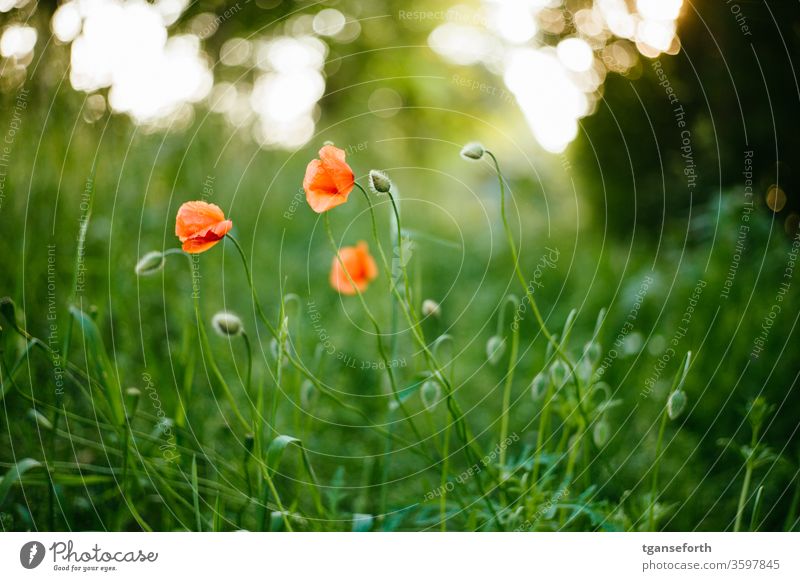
(676, 403)
(538, 386)
(308, 394)
(548, 354)
(600, 433)
(495, 348)
(227, 324)
(431, 307)
(558, 374)
(249, 442)
(473, 151)
(430, 392)
(40, 419)
(132, 395)
(150, 263)
(287, 352)
(592, 351)
(379, 182)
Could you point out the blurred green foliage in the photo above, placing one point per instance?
(616, 208)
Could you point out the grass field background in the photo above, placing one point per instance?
(119, 402)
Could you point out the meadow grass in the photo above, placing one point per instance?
(521, 402)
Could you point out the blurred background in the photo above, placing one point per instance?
(647, 140)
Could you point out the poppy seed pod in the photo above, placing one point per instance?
(558, 374)
(431, 308)
(473, 151)
(150, 263)
(495, 348)
(539, 386)
(308, 395)
(227, 324)
(600, 433)
(40, 419)
(379, 182)
(592, 350)
(249, 442)
(132, 396)
(430, 392)
(676, 404)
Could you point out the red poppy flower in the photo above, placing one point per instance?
(200, 225)
(328, 180)
(359, 264)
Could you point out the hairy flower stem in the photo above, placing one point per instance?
(651, 520)
(534, 307)
(504, 415)
(205, 350)
(416, 330)
(544, 424)
(297, 364)
(471, 448)
(378, 334)
(249, 372)
(205, 346)
(748, 475)
(443, 481)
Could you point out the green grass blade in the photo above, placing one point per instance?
(14, 475)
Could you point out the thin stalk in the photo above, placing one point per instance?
(748, 475)
(206, 347)
(458, 415)
(504, 417)
(297, 364)
(378, 333)
(443, 485)
(473, 455)
(531, 300)
(651, 519)
(791, 515)
(249, 373)
(544, 424)
(756, 510)
(218, 374)
(416, 329)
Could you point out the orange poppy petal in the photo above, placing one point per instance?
(329, 180)
(322, 202)
(331, 153)
(194, 217)
(368, 266)
(198, 245)
(318, 179)
(358, 263)
(204, 240)
(340, 173)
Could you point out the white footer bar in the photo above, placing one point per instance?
(401, 556)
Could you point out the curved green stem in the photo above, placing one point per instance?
(215, 370)
(651, 519)
(471, 448)
(378, 333)
(518, 270)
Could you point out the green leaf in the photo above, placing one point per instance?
(14, 474)
(196, 496)
(105, 371)
(276, 449)
(275, 453)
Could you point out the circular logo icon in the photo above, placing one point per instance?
(31, 554)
